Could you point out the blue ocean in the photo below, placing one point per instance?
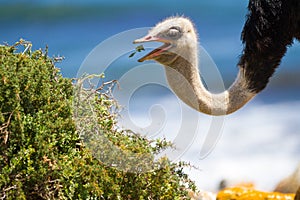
(259, 143)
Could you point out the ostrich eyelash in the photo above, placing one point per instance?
(176, 28)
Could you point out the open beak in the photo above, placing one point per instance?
(147, 38)
(156, 52)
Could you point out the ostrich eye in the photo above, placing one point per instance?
(174, 32)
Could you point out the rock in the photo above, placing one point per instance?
(202, 195)
(231, 183)
(289, 184)
(297, 197)
(249, 193)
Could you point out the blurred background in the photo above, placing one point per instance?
(260, 143)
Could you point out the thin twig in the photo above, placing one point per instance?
(3, 128)
(7, 189)
(101, 88)
(27, 48)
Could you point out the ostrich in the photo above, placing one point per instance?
(270, 27)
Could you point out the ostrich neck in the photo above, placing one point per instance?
(184, 79)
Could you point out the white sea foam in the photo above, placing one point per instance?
(259, 144)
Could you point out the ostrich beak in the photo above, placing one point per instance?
(147, 38)
(155, 52)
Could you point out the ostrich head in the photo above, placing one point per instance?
(179, 55)
(179, 38)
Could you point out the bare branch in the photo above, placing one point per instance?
(3, 129)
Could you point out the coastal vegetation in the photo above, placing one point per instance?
(42, 152)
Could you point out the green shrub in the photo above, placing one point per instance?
(41, 153)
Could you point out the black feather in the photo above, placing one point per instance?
(270, 28)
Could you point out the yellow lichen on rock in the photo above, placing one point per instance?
(244, 193)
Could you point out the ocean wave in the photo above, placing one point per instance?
(259, 143)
